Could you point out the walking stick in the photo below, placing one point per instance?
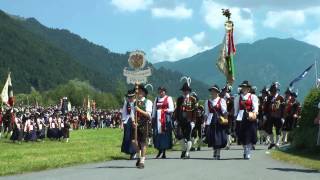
(136, 117)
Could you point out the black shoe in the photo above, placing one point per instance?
(140, 166)
(138, 162)
(132, 156)
(159, 154)
(218, 157)
(253, 147)
(271, 146)
(183, 154)
(192, 149)
(164, 156)
(198, 149)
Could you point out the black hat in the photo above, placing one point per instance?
(215, 88)
(144, 89)
(227, 89)
(264, 90)
(161, 88)
(275, 87)
(288, 91)
(131, 93)
(294, 94)
(245, 84)
(186, 87)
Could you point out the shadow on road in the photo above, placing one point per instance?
(115, 167)
(295, 170)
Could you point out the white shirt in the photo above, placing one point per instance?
(160, 100)
(125, 115)
(255, 103)
(214, 102)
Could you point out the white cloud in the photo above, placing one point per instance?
(284, 19)
(132, 5)
(178, 12)
(244, 28)
(175, 49)
(313, 37)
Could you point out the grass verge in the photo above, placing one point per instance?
(85, 146)
(304, 158)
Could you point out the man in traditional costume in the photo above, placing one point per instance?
(185, 117)
(127, 117)
(143, 110)
(262, 125)
(198, 130)
(216, 116)
(275, 110)
(246, 107)
(226, 95)
(163, 108)
(291, 114)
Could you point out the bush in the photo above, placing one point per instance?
(305, 136)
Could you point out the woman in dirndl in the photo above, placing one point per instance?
(217, 122)
(246, 107)
(163, 108)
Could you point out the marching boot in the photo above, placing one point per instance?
(183, 154)
(164, 154)
(218, 154)
(199, 148)
(183, 148)
(215, 154)
(159, 154)
(141, 163)
(272, 142)
(138, 162)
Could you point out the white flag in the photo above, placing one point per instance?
(5, 91)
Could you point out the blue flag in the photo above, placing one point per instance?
(301, 76)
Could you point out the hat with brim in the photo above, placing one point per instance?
(131, 93)
(186, 87)
(161, 88)
(245, 84)
(214, 88)
(142, 88)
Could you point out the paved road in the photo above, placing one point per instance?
(200, 166)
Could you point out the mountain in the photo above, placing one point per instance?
(44, 57)
(261, 62)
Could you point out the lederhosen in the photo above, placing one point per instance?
(142, 127)
(292, 107)
(231, 119)
(248, 129)
(275, 109)
(163, 137)
(217, 133)
(185, 114)
(127, 146)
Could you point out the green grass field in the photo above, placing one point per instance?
(302, 158)
(85, 146)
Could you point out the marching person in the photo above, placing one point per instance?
(143, 110)
(263, 136)
(275, 111)
(17, 133)
(127, 118)
(197, 132)
(41, 127)
(291, 114)
(163, 108)
(217, 119)
(185, 117)
(246, 107)
(226, 95)
(66, 127)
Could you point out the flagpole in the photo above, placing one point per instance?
(315, 63)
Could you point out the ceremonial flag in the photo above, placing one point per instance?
(301, 76)
(225, 61)
(88, 110)
(7, 92)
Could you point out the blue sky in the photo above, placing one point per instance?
(173, 29)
